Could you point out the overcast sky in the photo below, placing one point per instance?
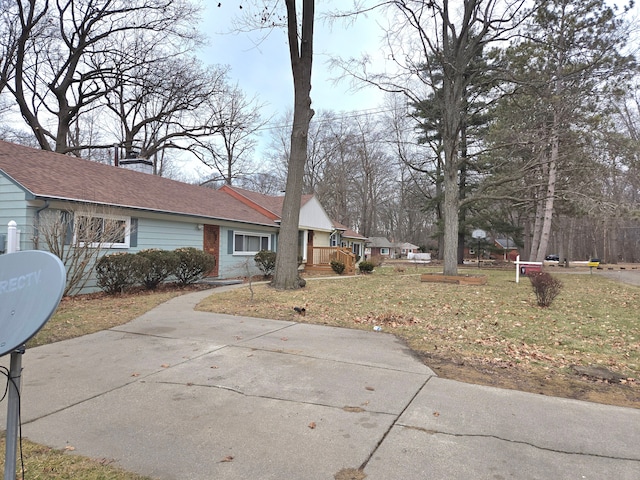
(264, 69)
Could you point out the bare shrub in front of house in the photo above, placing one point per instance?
(545, 287)
(193, 264)
(78, 238)
(160, 265)
(266, 262)
(119, 272)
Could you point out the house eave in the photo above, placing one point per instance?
(150, 210)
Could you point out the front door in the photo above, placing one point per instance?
(211, 244)
(310, 259)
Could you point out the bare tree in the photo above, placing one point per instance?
(434, 46)
(301, 57)
(299, 28)
(79, 237)
(65, 50)
(155, 112)
(235, 124)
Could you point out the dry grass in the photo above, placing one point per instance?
(45, 463)
(593, 321)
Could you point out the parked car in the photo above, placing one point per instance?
(552, 258)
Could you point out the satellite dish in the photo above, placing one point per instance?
(31, 286)
(478, 233)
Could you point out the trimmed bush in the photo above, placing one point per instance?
(118, 272)
(337, 266)
(266, 262)
(159, 266)
(366, 266)
(545, 287)
(193, 264)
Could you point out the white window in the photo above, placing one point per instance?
(384, 251)
(103, 231)
(250, 243)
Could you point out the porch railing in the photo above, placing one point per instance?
(322, 256)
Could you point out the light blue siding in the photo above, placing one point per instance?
(232, 266)
(13, 206)
(166, 234)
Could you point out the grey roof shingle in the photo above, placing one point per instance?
(49, 175)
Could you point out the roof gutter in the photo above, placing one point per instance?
(36, 231)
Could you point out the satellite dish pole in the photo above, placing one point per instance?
(32, 285)
(15, 370)
(13, 414)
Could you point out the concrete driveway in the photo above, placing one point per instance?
(180, 394)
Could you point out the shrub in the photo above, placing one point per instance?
(545, 287)
(266, 262)
(366, 266)
(159, 266)
(118, 272)
(192, 265)
(337, 266)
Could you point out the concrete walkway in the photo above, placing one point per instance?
(180, 394)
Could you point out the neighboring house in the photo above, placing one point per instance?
(343, 236)
(157, 212)
(379, 246)
(498, 249)
(320, 240)
(405, 249)
(507, 248)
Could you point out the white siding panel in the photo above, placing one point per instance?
(313, 216)
(321, 239)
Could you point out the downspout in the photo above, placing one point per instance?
(36, 232)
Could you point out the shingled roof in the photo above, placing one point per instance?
(347, 232)
(48, 175)
(270, 203)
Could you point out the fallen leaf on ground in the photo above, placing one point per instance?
(312, 425)
(228, 458)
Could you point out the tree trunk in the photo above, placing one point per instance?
(451, 205)
(286, 272)
(551, 192)
(538, 215)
